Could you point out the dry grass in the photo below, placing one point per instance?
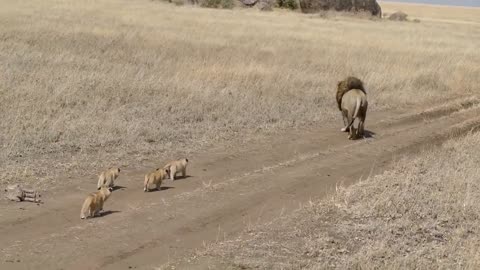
(435, 13)
(89, 84)
(423, 214)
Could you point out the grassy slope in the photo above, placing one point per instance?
(422, 214)
(90, 84)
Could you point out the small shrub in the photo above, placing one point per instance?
(178, 2)
(227, 4)
(265, 5)
(210, 3)
(290, 4)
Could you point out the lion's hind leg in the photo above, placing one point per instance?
(345, 121)
(361, 130)
(173, 171)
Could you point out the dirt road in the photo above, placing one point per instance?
(228, 189)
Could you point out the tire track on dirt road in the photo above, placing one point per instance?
(229, 189)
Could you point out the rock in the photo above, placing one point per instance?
(249, 3)
(398, 16)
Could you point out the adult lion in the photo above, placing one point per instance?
(346, 85)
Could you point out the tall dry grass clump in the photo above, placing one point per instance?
(89, 84)
(422, 214)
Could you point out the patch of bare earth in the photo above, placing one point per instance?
(423, 214)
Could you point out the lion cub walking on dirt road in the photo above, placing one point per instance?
(354, 106)
(94, 202)
(154, 179)
(177, 166)
(107, 177)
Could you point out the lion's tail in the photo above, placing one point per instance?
(355, 114)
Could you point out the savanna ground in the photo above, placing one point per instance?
(422, 214)
(89, 84)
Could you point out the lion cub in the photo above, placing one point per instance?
(94, 202)
(154, 179)
(177, 166)
(107, 177)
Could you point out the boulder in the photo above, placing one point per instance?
(249, 3)
(398, 16)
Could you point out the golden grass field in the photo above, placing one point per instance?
(422, 214)
(89, 84)
(437, 13)
(85, 85)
